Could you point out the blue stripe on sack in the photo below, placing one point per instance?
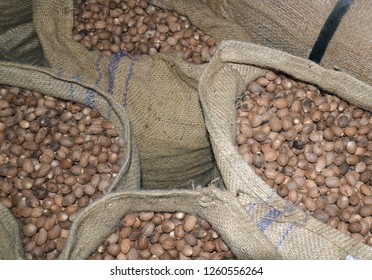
(268, 219)
(90, 98)
(285, 235)
(251, 207)
(77, 78)
(72, 91)
(289, 208)
(98, 70)
(113, 68)
(72, 87)
(126, 89)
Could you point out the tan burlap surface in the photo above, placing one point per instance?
(294, 26)
(18, 39)
(10, 241)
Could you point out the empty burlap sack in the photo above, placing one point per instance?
(158, 92)
(47, 82)
(296, 235)
(220, 208)
(18, 40)
(294, 26)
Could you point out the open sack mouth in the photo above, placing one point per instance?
(312, 148)
(139, 28)
(293, 140)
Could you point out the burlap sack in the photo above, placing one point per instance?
(18, 40)
(294, 26)
(10, 241)
(158, 92)
(47, 82)
(296, 235)
(220, 208)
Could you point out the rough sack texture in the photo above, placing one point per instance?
(10, 240)
(47, 82)
(220, 208)
(293, 26)
(159, 93)
(295, 234)
(18, 40)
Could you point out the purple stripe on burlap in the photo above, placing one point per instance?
(98, 82)
(113, 67)
(129, 76)
(72, 91)
(77, 78)
(98, 70)
(252, 206)
(285, 235)
(90, 99)
(268, 219)
(288, 209)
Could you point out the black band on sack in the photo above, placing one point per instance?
(329, 28)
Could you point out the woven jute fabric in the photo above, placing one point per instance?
(10, 241)
(294, 26)
(295, 234)
(47, 82)
(18, 39)
(220, 208)
(159, 92)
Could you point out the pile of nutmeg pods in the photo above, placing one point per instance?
(313, 148)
